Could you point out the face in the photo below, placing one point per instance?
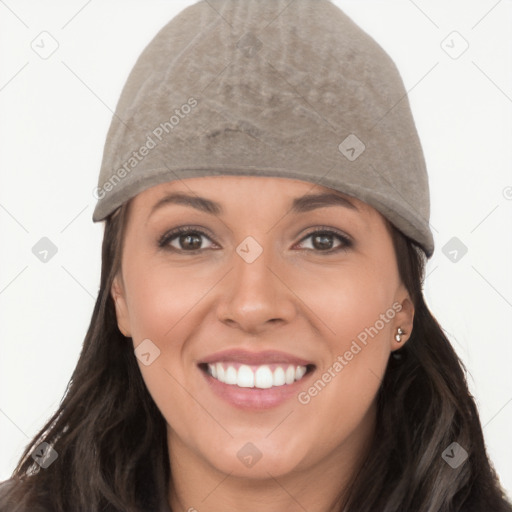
(265, 325)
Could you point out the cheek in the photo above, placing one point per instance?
(160, 298)
(165, 306)
(349, 301)
(358, 313)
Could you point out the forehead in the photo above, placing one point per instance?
(230, 198)
(230, 190)
(249, 198)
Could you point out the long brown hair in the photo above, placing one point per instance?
(111, 438)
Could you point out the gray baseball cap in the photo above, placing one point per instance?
(291, 89)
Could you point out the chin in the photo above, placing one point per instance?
(259, 459)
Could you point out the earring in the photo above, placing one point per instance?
(398, 337)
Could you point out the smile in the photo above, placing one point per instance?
(256, 376)
(255, 380)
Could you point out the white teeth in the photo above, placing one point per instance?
(245, 377)
(279, 378)
(300, 372)
(261, 377)
(221, 374)
(231, 376)
(290, 375)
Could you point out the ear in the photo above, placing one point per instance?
(118, 294)
(404, 318)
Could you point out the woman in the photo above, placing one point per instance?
(260, 339)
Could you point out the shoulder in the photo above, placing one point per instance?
(7, 505)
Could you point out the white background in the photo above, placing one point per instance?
(54, 116)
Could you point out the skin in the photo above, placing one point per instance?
(295, 297)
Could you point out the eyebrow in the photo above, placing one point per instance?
(299, 205)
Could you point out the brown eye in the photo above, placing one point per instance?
(188, 239)
(323, 241)
(183, 239)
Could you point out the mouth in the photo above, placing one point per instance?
(252, 381)
(263, 376)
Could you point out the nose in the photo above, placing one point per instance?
(255, 295)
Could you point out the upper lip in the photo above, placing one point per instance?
(254, 358)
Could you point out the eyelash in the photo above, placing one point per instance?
(164, 241)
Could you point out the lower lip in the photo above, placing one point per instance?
(255, 398)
